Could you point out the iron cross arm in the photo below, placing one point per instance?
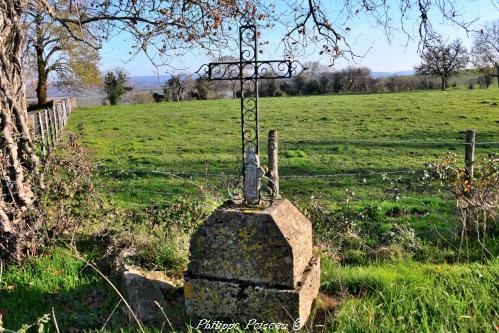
(268, 69)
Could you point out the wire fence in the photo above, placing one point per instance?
(215, 179)
(47, 125)
(394, 142)
(233, 175)
(295, 144)
(144, 189)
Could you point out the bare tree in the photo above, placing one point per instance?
(485, 52)
(443, 60)
(160, 29)
(50, 51)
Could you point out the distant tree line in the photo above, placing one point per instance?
(182, 87)
(346, 81)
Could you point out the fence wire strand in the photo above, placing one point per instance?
(221, 175)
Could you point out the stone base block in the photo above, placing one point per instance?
(268, 246)
(235, 301)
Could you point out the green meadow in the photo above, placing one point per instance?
(331, 147)
(359, 156)
(322, 135)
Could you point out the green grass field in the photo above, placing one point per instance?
(326, 137)
(318, 135)
(330, 146)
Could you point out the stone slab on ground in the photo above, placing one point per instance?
(240, 302)
(270, 246)
(145, 290)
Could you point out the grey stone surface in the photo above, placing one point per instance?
(253, 263)
(270, 246)
(143, 289)
(240, 302)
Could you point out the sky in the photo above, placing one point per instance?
(380, 53)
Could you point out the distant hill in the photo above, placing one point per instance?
(94, 95)
(148, 82)
(378, 75)
(156, 82)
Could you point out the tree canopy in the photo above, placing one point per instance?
(443, 60)
(51, 52)
(115, 85)
(485, 52)
(165, 28)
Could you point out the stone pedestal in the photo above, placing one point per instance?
(253, 264)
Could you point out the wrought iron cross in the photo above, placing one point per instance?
(248, 70)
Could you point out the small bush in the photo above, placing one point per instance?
(477, 199)
(355, 236)
(170, 254)
(115, 85)
(404, 236)
(183, 214)
(68, 198)
(159, 235)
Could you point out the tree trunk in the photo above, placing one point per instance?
(497, 75)
(19, 223)
(41, 87)
(41, 64)
(443, 85)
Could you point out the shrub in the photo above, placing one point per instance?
(158, 97)
(404, 236)
(115, 85)
(68, 199)
(477, 200)
(484, 81)
(159, 235)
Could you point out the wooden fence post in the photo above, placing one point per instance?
(469, 155)
(61, 115)
(69, 101)
(64, 113)
(273, 155)
(42, 133)
(32, 124)
(50, 126)
(54, 124)
(57, 107)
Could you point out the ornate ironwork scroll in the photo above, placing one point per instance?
(248, 70)
(268, 69)
(248, 50)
